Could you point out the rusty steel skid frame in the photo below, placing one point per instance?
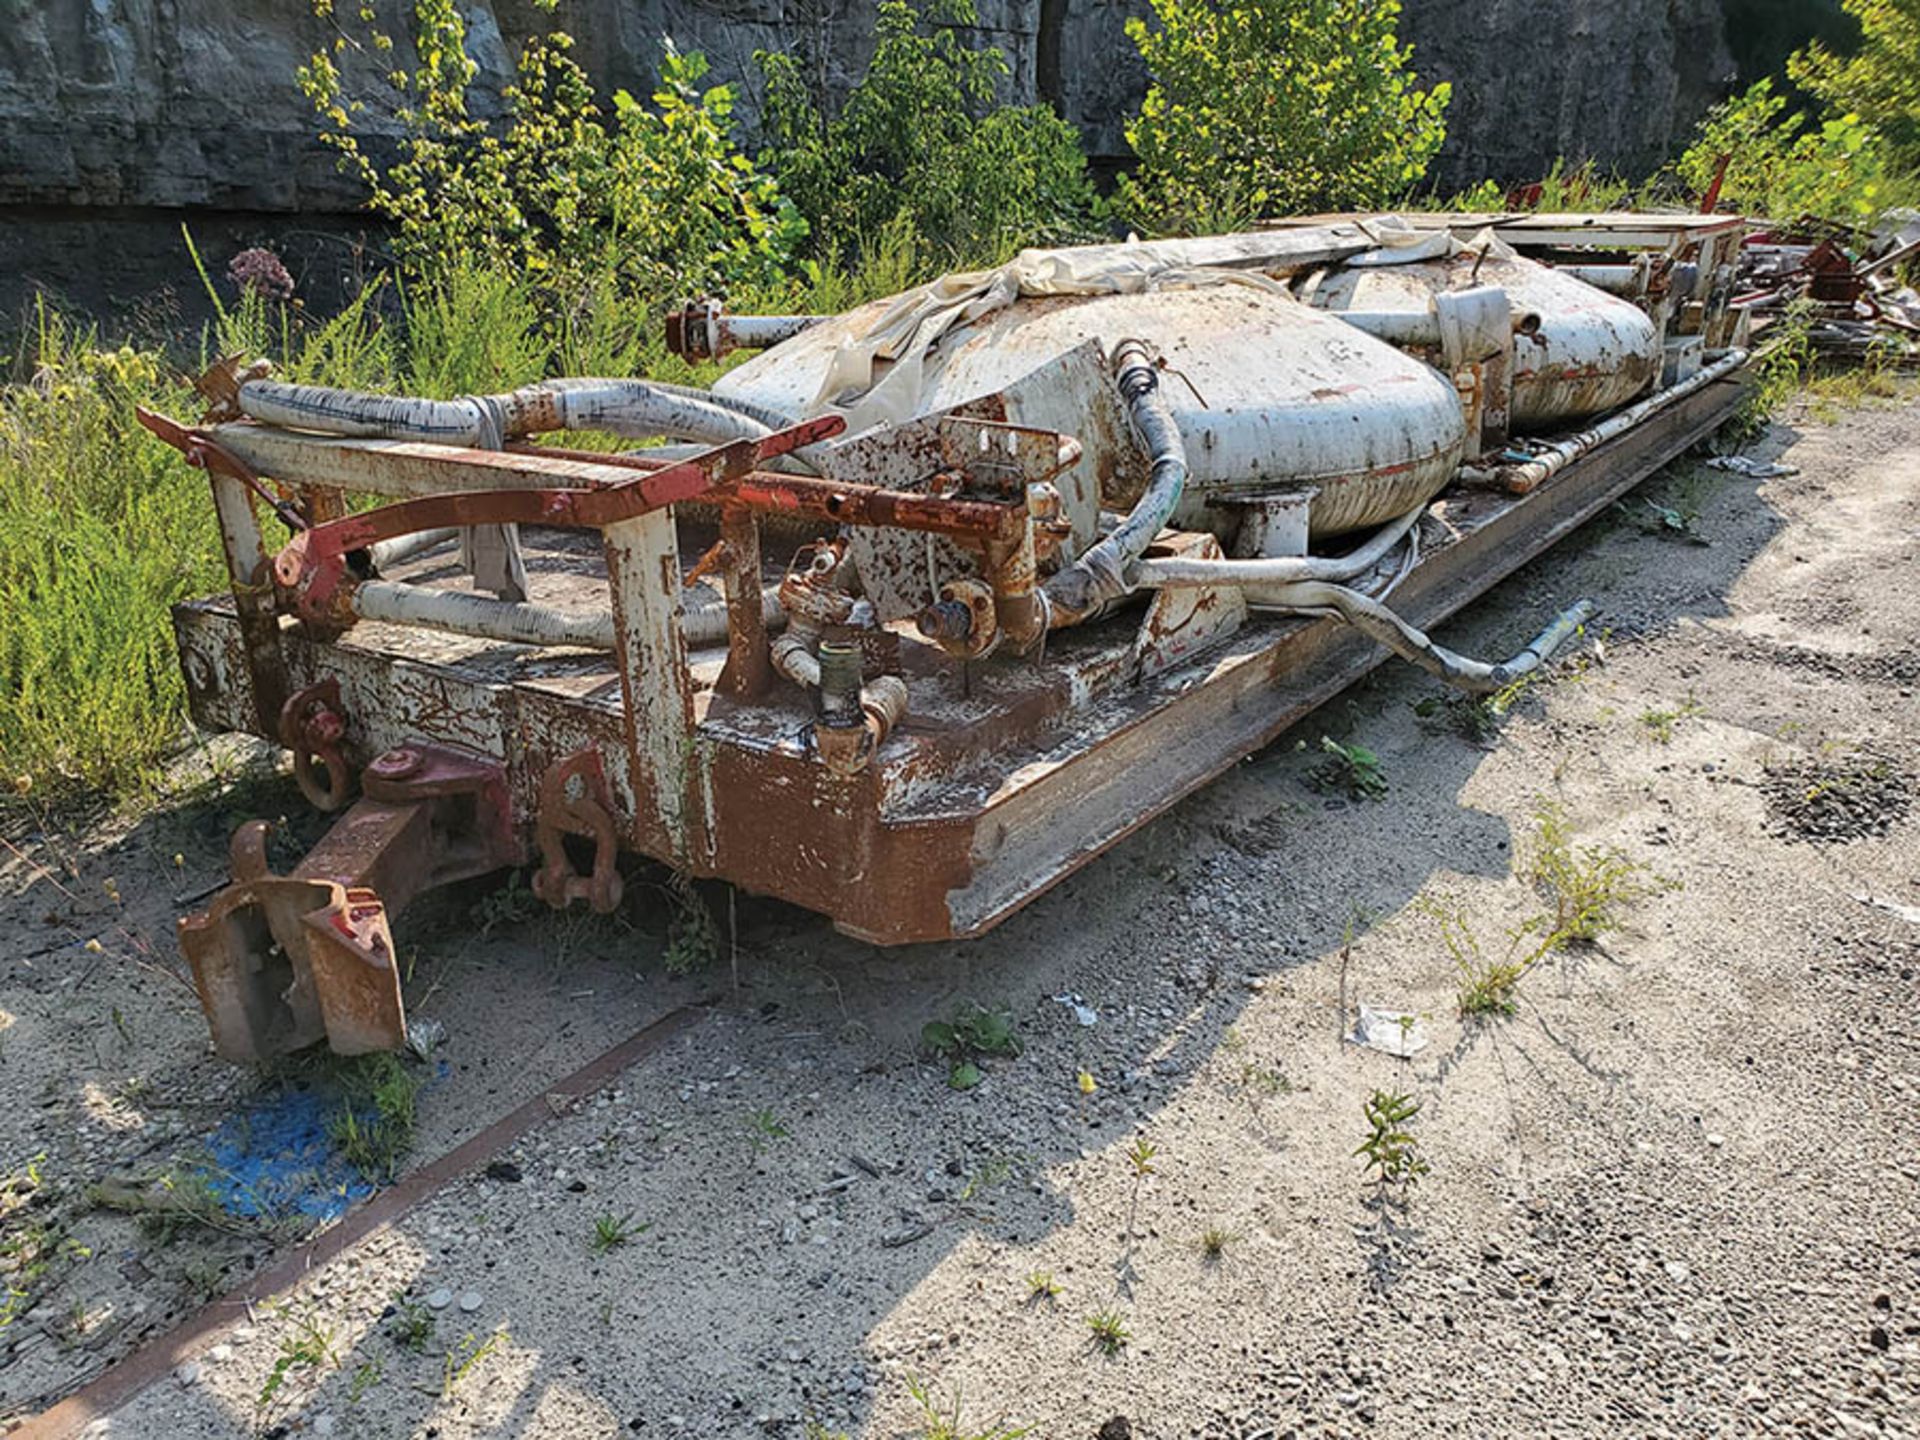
(1007, 774)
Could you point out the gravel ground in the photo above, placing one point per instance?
(1674, 1193)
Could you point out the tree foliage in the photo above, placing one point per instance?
(920, 144)
(1780, 163)
(657, 196)
(1878, 82)
(1267, 107)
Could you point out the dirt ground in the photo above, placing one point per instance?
(1677, 1192)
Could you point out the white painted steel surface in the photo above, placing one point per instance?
(1592, 353)
(1266, 391)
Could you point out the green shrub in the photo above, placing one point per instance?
(921, 145)
(557, 189)
(1784, 165)
(101, 528)
(1877, 82)
(1271, 107)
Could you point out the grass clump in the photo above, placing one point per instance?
(610, 1232)
(101, 530)
(1109, 1331)
(950, 1423)
(308, 1347)
(374, 1127)
(1659, 723)
(1042, 1286)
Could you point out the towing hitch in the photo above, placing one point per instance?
(281, 961)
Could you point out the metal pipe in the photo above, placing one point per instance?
(1077, 591)
(1476, 677)
(635, 408)
(388, 553)
(481, 617)
(1279, 569)
(1630, 281)
(1522, 478)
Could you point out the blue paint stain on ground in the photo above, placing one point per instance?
(275, 1160)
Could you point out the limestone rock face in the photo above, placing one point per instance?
(174, 103)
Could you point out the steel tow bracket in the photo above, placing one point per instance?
(283, 961)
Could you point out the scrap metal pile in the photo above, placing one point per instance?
(1849, 293)
(925, 605)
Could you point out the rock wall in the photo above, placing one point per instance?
(119, 118)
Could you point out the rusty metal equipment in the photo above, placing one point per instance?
(906, 671)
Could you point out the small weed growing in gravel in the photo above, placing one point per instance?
(1140, 1157)
(1586, 886)
(763, 1126)
(513, 903)
(1110, 1332)
(309, 1347)
(693, 935)
(936, 1424)
(364, 1379)
(412, 1324)
(1487, 986)
(610, 1232)
(472, 1351)
(1476, 718)
(1671, 522)
(1214, 1241)
(1042, 1286)
(1660, 723)
(1350, 770)
(969, 1037)
(374, 1129)
(1391, 1150)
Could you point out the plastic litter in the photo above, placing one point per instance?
(1083, 1013)
(1751, 468)
(1393, 1032)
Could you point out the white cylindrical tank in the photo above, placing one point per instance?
(1593, 352)
(1267, 392)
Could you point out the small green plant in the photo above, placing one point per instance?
(1214, 1241)
(1660, 723)
(308, 1347)
(365, 1378)
(1140, 1157)
(1672, 522)
(972, 1035)
(989, 1175)
(412, 1324)
(693, 935)
(1392, 1151)
(610, 1232)
(513, 903)
(1109, 1330)
(1350, 770)
(1042, 1286)
(1488, 984)
(764, 1127)
(471, 1352)
(1473, 717)
(1585, 886)
(949, 1424)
